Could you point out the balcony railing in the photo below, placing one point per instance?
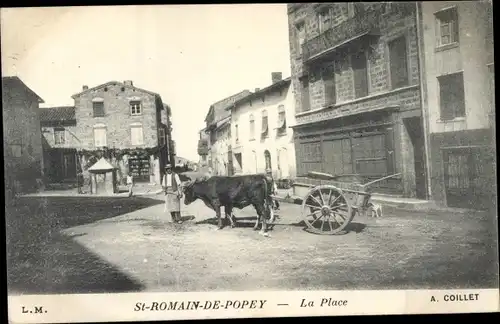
(344, 33)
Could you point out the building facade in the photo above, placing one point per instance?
(355, 75)
(457, 42)
(126, 120)
(261, 135)
(23, 161)
(219, 152)
(60, 143)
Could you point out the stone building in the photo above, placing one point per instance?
(60, 143)
(458, 84)
(23, 161)
(355, 75)
(260, 124)
(217, 120)
(129, 125)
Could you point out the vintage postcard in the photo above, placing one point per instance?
(168, 162)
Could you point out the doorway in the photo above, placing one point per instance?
(267, 158)
(69, 165)
(414, 128)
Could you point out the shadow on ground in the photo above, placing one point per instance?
(42, 260)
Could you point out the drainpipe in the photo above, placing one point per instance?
(423, 97)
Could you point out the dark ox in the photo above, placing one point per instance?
(235, 191)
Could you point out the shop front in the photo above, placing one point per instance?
(372, 145)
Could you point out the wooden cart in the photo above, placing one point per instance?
(329, 209)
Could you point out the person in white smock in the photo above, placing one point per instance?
(171, 185)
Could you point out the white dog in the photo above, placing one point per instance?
(375, 209)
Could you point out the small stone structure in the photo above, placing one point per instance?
(103, 178)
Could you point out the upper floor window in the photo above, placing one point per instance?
(304, 94)
(135, 108)
(236, 133)
(59, 136)
(354, 9)
(328, 76)
(451, 95)
(398, 62)
(98, 107)
(281, 120)
(136, 134)
(300, 32)
(324, 19)
(162, 136)
(252, 127)
(265, 126)
(447, 26)
(359, 64)
(100, 135)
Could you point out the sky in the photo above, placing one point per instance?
(192, 55)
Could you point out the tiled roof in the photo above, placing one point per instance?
(114, 83)
(12, 82)
(55, 114)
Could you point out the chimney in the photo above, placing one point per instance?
(128, 83)
(85, 87)
(276, 76)
(257, 89)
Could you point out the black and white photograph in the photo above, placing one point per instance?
(249, 160)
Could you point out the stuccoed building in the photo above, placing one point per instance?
(218, 118)
(457, 42)
(355, 75)
(260, 127)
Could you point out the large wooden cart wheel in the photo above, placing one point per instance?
(326, 210)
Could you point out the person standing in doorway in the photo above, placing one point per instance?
(171, 184)
(276, 204)
(130, 183)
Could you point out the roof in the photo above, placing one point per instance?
(273, 87)
(13, 82)
(57, 114)
(220, 107)
(114, 83)
(101, 165)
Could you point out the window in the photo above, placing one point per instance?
(135, 108)
(59, 135)
(324, 19)
(100, 139)
(162, 137)
(360, 74)
(98, 107)
(306, 104)
(136, 134)
(447, 27)
(398, 61)
(252, 127)
(265, 127)
(236, 133)
(300, 34)
(328, 75)
(451, 91)
(354, 9)
(281, 120)
(16, 150)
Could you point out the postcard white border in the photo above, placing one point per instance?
(123, 306)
